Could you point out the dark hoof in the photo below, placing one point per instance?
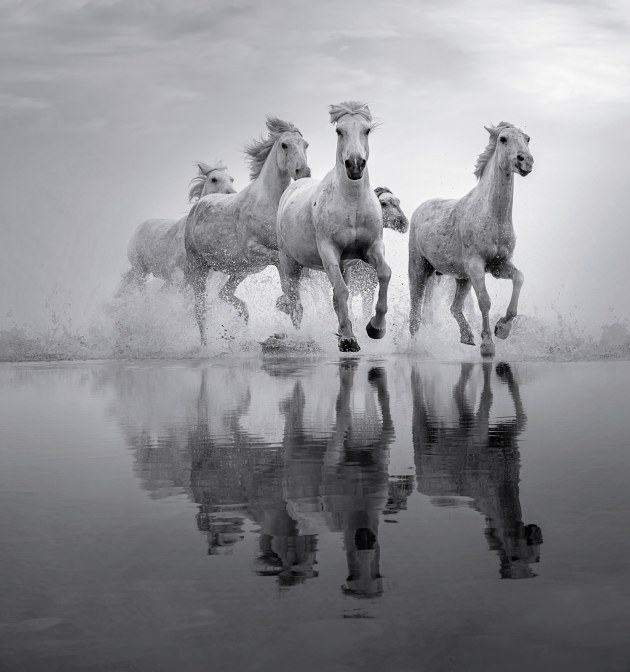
(503, 328)
(348, 345)
(467, 339)
(487, 349)
(373, 332)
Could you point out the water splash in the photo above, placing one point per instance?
(158, 323)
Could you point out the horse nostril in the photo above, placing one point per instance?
(520, 157)
(361, 163)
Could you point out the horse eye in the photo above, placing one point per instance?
(338, 132)
(284, 145)
(367, 131)
(503, 138)
(214, 179)
(527, 138)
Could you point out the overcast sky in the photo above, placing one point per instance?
(105, 105)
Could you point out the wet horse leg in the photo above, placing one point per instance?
(419, 271)
(227, 294)
(509, 272)
(367, 292)
(330, 259)
(462, 287)
(477, 272)
(376, 327)
(196, 275)
(290, 272)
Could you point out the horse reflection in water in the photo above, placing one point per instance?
(341, 481)
(478, 459)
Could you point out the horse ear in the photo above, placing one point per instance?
(204, 168)
(490, 130)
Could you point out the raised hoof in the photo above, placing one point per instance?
(503, 328)
(467, 339)
(487, 349)
(373, 332)
(348, 345)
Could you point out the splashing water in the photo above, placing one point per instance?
(159, 323)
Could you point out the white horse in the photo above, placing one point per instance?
(157, 245)
(330, 224)
(472, 236)
(236, 233)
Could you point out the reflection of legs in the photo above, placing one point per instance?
(485, 403)
(330, 259)
(504, 372)
(196, 275)
(476, 270)
(462, 288)
(377, 376)
(289, 303)
(459, 395)
(227, 294)
(376, 258)
(419, 272)
(510, 272)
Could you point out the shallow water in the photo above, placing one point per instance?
(327, 513)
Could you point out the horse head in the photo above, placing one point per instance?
(287, 144)
(212, 179)
(393, 216)
(511, 148)
(354, 124)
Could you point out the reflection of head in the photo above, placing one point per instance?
(517, 551)
(289, 558)
(363, 556)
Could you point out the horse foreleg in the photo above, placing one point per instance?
(477, 273)
(376, 327)
(419, 272)
(290, 272)
(510, 272)
(196, 276)
(462, 287)
(330, 260)
(227, 294)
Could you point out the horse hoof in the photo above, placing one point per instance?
(468, 339)
(374, 332)
(487, 349)
(348, 345)
(502, 328)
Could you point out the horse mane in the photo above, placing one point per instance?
(382, 190)
(349, 107)
(257, 151)
(484, 157)
(198, 182)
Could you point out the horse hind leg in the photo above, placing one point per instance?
(509, 272)
(462, 288)
(135, 277)
(227, 294)
(289, 302)
(419, 271)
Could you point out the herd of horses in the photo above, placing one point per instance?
(285, 218)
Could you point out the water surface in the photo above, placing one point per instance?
(331, 513)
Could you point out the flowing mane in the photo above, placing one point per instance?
(198, 182)
(484, 157)
(257, 151)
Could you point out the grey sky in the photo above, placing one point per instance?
(105, 105)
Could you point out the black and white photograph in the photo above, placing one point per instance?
(314, 336)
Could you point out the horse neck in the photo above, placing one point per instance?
(496, 189)
(271, 182)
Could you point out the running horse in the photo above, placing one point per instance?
(471, 236)
(157, 245)
(236, 233)
(331, 224)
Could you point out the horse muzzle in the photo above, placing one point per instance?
(355, 168)
(302, 172)
(524, 164)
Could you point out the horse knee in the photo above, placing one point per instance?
(518, 278)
